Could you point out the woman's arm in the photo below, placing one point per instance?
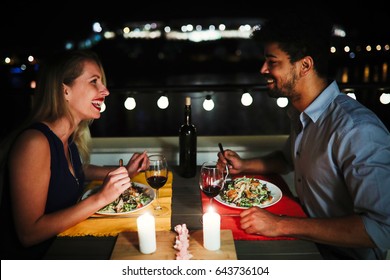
(137, 163)
(29, 183)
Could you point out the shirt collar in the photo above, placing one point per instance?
(321, 103)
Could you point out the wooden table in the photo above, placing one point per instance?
(186, 208)
(127, 247)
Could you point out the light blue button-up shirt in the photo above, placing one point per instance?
(341, 158)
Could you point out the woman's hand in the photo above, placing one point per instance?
(137, 163)
(114, 184)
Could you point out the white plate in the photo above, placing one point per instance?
(145, 189)
(275, 192)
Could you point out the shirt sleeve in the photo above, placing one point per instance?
(364, 156)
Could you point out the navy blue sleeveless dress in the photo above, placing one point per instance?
(64, 191)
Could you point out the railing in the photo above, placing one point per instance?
(229, 117)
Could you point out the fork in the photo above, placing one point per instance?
(228, 177)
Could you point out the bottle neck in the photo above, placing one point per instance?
(187, 115)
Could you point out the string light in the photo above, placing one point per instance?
(130, 103)
(103, 107)
(208, 103)
(163, 102)
(282, 102)
(385, 98)
(246, 99)
(352, 95)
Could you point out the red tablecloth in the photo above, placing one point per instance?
(230, 219)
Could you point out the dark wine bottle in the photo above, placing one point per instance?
(187, 143)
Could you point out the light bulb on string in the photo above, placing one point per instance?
(163, 102)
(130, 103)
(352, 95)
(282, 102)
(246, 99)
(208, 103)
(385, 98)
(103, 107)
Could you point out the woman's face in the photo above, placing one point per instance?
(87, 93)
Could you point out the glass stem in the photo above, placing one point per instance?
(158, 207)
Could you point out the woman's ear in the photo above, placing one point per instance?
(66, 91)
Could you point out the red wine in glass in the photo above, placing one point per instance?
(212, 190)
(157, 175)
(211, 179)
(156, 182)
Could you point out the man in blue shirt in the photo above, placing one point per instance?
(338, 149)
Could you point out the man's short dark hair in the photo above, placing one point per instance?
(300, 35)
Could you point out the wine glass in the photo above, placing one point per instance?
(211, 179)
(156, 176)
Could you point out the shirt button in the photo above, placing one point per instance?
(299, 180)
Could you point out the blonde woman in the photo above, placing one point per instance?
(48, 160)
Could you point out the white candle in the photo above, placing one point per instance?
(146, 233)
(211, 230)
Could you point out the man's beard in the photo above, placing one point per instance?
(286, 90)
(275, 93)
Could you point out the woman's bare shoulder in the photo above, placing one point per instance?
(30, 141)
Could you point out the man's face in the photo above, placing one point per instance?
(281, 76)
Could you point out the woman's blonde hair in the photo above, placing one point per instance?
(49, 102)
